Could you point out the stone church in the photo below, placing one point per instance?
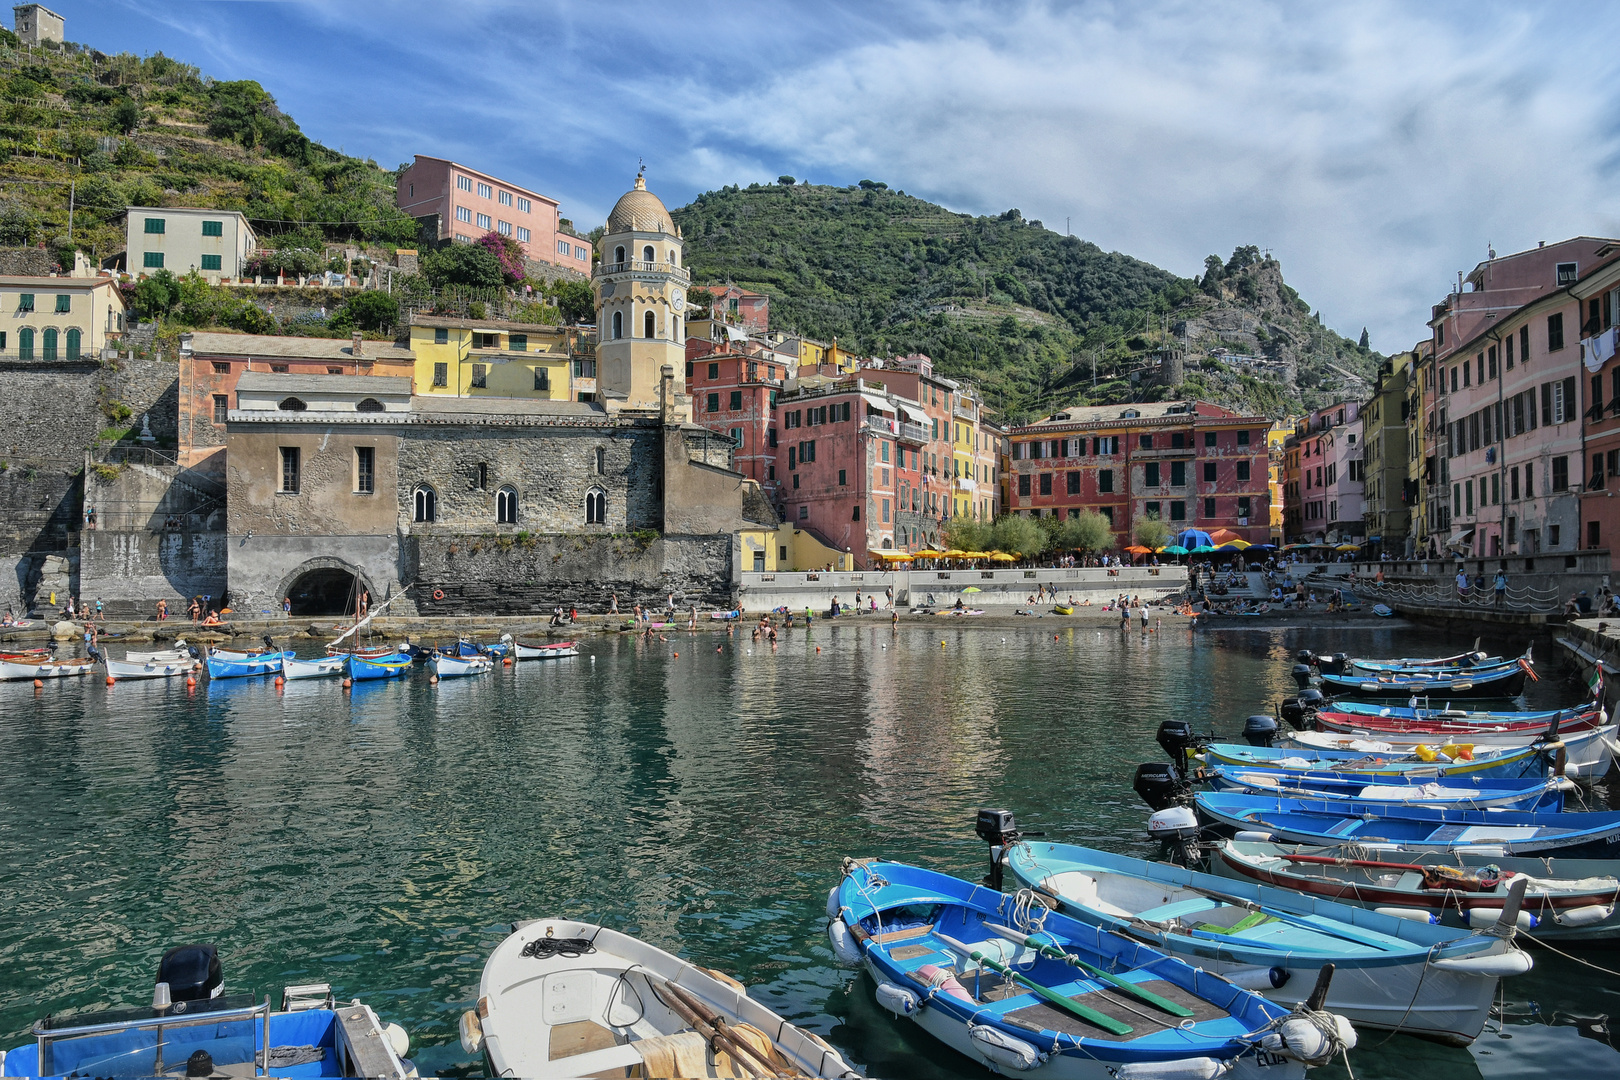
(341, 484)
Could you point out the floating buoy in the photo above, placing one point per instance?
(507, 662)
(433, 678)
(39, 684)
(347, 683)
(818, 649)
(191, 680)
(942, 643)
(280, 681)
(110, 680)
(1054, 637)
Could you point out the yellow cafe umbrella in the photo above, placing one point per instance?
(927, 553)
(1348, 547)
(897, 556)
(1002, 556)
(956, 553)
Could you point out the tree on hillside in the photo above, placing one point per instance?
(508, 253)
(371, 310)
(967, 533)
(1089, 532)
(1364, 340)
(786, 181)
(1214, 270)
(463, 264)
(1018, 536)
(17, 225)
(1150, 532)
(126, 116)
(575, 301)
(157, 295)
(1242, 258)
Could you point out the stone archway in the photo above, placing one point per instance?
(325, 587)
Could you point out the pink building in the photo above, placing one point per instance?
(750, 310)
(460, 203)
(1508, 406)
(1332, 479)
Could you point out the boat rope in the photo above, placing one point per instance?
(1416, 992)
(1595, 967)
(624, 981)
(1024, 901)
(547, 947)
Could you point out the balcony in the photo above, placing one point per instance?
(899, 429)
(965, 412)
(639, 267)
(1161, 452)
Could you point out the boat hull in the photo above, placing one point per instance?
(1501, 683)
(392, 666)
(452, 667)
(17, 671)
(545, 652)
(1588, 753)
(1510, 793)
(326, 667)
(150, 669)
(256, 665)
(1452, 730)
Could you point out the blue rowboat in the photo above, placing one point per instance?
(1392, 973)
(1018, 988)
(1343, 664)
(1584, 834)
(1466, 716)
(1501, 762)
(472, 648)
(268, 663)
(1460, 792)
(388, 666)
(1502, 682)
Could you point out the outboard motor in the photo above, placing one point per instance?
(1176, 737)
(1302, 675)
(1292, 712)
(1160, 785)
(999, 829)
(1176, 829)
(188, 973)
(268, 644)
(1337, 664)
(1305, 656)
(1260, 730)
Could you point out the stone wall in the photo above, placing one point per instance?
(263, 569)
(501, 575)
(131, 571)
(28, 261)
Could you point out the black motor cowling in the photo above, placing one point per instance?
(192, 972)
(1334, 664)
(1302, 675)
(1159, 785)
(1176, 737)
(1292, 712)
(1260, 730)
(1312, 699)
(1305, 656)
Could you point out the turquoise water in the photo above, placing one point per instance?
(383, 839)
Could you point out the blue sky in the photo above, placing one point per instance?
(1374, 148)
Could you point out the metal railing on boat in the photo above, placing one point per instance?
(46, 1036)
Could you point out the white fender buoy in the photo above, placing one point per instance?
(897, 999)
(1251, 836)
(1002, 1050)
(843, 942)
(1197, 1068)
(1481, 917)
(1585, 915)
(833, 906)
(398, 1039)
(472, 1033)
(1410, 914)
(1500, 966)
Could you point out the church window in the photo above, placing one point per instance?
(648, 255)
(674, 257)
(649, 325)
(596, 507)
(601, 461)
(427, 504)
(618, 321)
(618, 254)
(506, 506)
(292, 404)
(369, 404)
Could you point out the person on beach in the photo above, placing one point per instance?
(162, 610)
(195, 611)
(613, 605)
(888, 596)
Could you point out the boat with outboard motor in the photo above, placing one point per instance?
(1498, 726)
(1581, 834)
(560, 998)
(1587, 753)
(234, 665)
(1499, 682)
(1463, 792)
(1564, 898)
(1019, 988)
(1487, 761)
(472, 648)
(1444, 713)
(1344, 664)
(193, 1027)
(393, 665)
(1396, 974)
(454, 667)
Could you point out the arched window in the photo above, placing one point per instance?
(73, 343)
(618, 254)
(369, 404)
(601, 461)
(427, 504)
(25, 343)
(596, 507)
(674, 257)
(649, 325)
(48, 352)
(648, 255)
(506, 506)
(292, 404)
(618, 324)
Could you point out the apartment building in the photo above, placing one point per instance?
(1598, 297)
(497, 358)
(180, 239)
(59, 318)
(1388, 496)
(453, 201)
(1331, 459)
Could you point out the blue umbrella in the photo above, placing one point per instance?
(1193, 538)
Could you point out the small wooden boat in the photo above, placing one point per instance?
(325, 667)
(19, 670)
(24, 655)
(1588, 752)
(190, 1022)
(180, 651)
(1474, 716)
(1019, 988)
(388, 666)
(1564, 898)
(1500, 727)
(1462, 792)
(151, 669)
(473, 648)
(567, 999)
(523, 651)
(233, 665)
(1503, 682)
(1343, 663)
(1583, 834)
(1504, 761)
(454, 667)
(1388, 973)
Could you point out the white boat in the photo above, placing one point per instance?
(1590, 752)
(452, 667)
(150, 669)
(181, 651)
(562, 999)
(17, 670)
(521, 651)
(322, 668)
(232, 654)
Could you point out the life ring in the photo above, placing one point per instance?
(438, 594)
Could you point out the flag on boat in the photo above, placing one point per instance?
(1595, 683)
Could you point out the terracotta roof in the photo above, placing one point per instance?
(279, 347)
(358, 385)
(486, 324)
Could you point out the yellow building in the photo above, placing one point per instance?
(59, 318)
(494, 358)
(973, 457)
(1277, 472)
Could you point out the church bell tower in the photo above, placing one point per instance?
(640, 286)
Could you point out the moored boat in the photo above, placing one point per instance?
(151, 669)
(1502, 761)
(1588, 752)
(1564, 898)
(388, 666)
(564, 999)
(1502, 682)
(551, 651)
(453, 667)
(19, 670)
(180, 651)
(1442, 712)
(1342, 663)
(466, 648)
(1583, 834)
(324, 667)
(1390, 973)
(234, 665)
(1016, 987)
(194, 1028)
(1465, 792)
(1332, 720)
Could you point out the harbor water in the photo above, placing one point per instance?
(699, 791)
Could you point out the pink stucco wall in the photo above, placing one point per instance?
(430, 186)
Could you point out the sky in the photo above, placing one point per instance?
(1374, 148)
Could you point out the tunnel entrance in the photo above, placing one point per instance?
(327, 591)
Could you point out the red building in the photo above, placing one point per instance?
(1190, 464)
(1598, 295)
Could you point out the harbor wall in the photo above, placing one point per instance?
(131, 570)
(995, 588)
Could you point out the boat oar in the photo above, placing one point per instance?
(1052, 997)
(1093, 970)
(708, 1024)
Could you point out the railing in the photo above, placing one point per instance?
(36, 355)
(47, 1035)
(1434, 594)
(900, 429)
(636, 265)
(136, 455)
(965, 412)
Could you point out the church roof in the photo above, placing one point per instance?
(639, 210)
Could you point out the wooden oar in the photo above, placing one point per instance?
(1090, 969)
(1309, 922)
(710, 1027)
(1052, 997)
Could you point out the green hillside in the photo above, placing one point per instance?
(1036, 318)
(151, 131)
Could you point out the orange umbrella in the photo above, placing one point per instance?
(1221, 536)
(1138, 549)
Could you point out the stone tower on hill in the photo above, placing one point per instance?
(640, 287)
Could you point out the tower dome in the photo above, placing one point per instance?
(639, 210)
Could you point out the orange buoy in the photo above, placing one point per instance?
(191, 680)
(280, 681)
(39, 684)
(347, 683)
(433, 678)
(677, 656)
(818, 649)
(110, 680)
(507, 662)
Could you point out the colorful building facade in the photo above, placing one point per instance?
(495, 358)
(456, 202)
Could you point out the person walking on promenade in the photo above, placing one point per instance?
(195, 611)
(286, 605)
(613, 606)
(888, 596)
(1500, 587)
(1462, 586)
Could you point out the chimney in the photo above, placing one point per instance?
(1541, 243)
(354, 344)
